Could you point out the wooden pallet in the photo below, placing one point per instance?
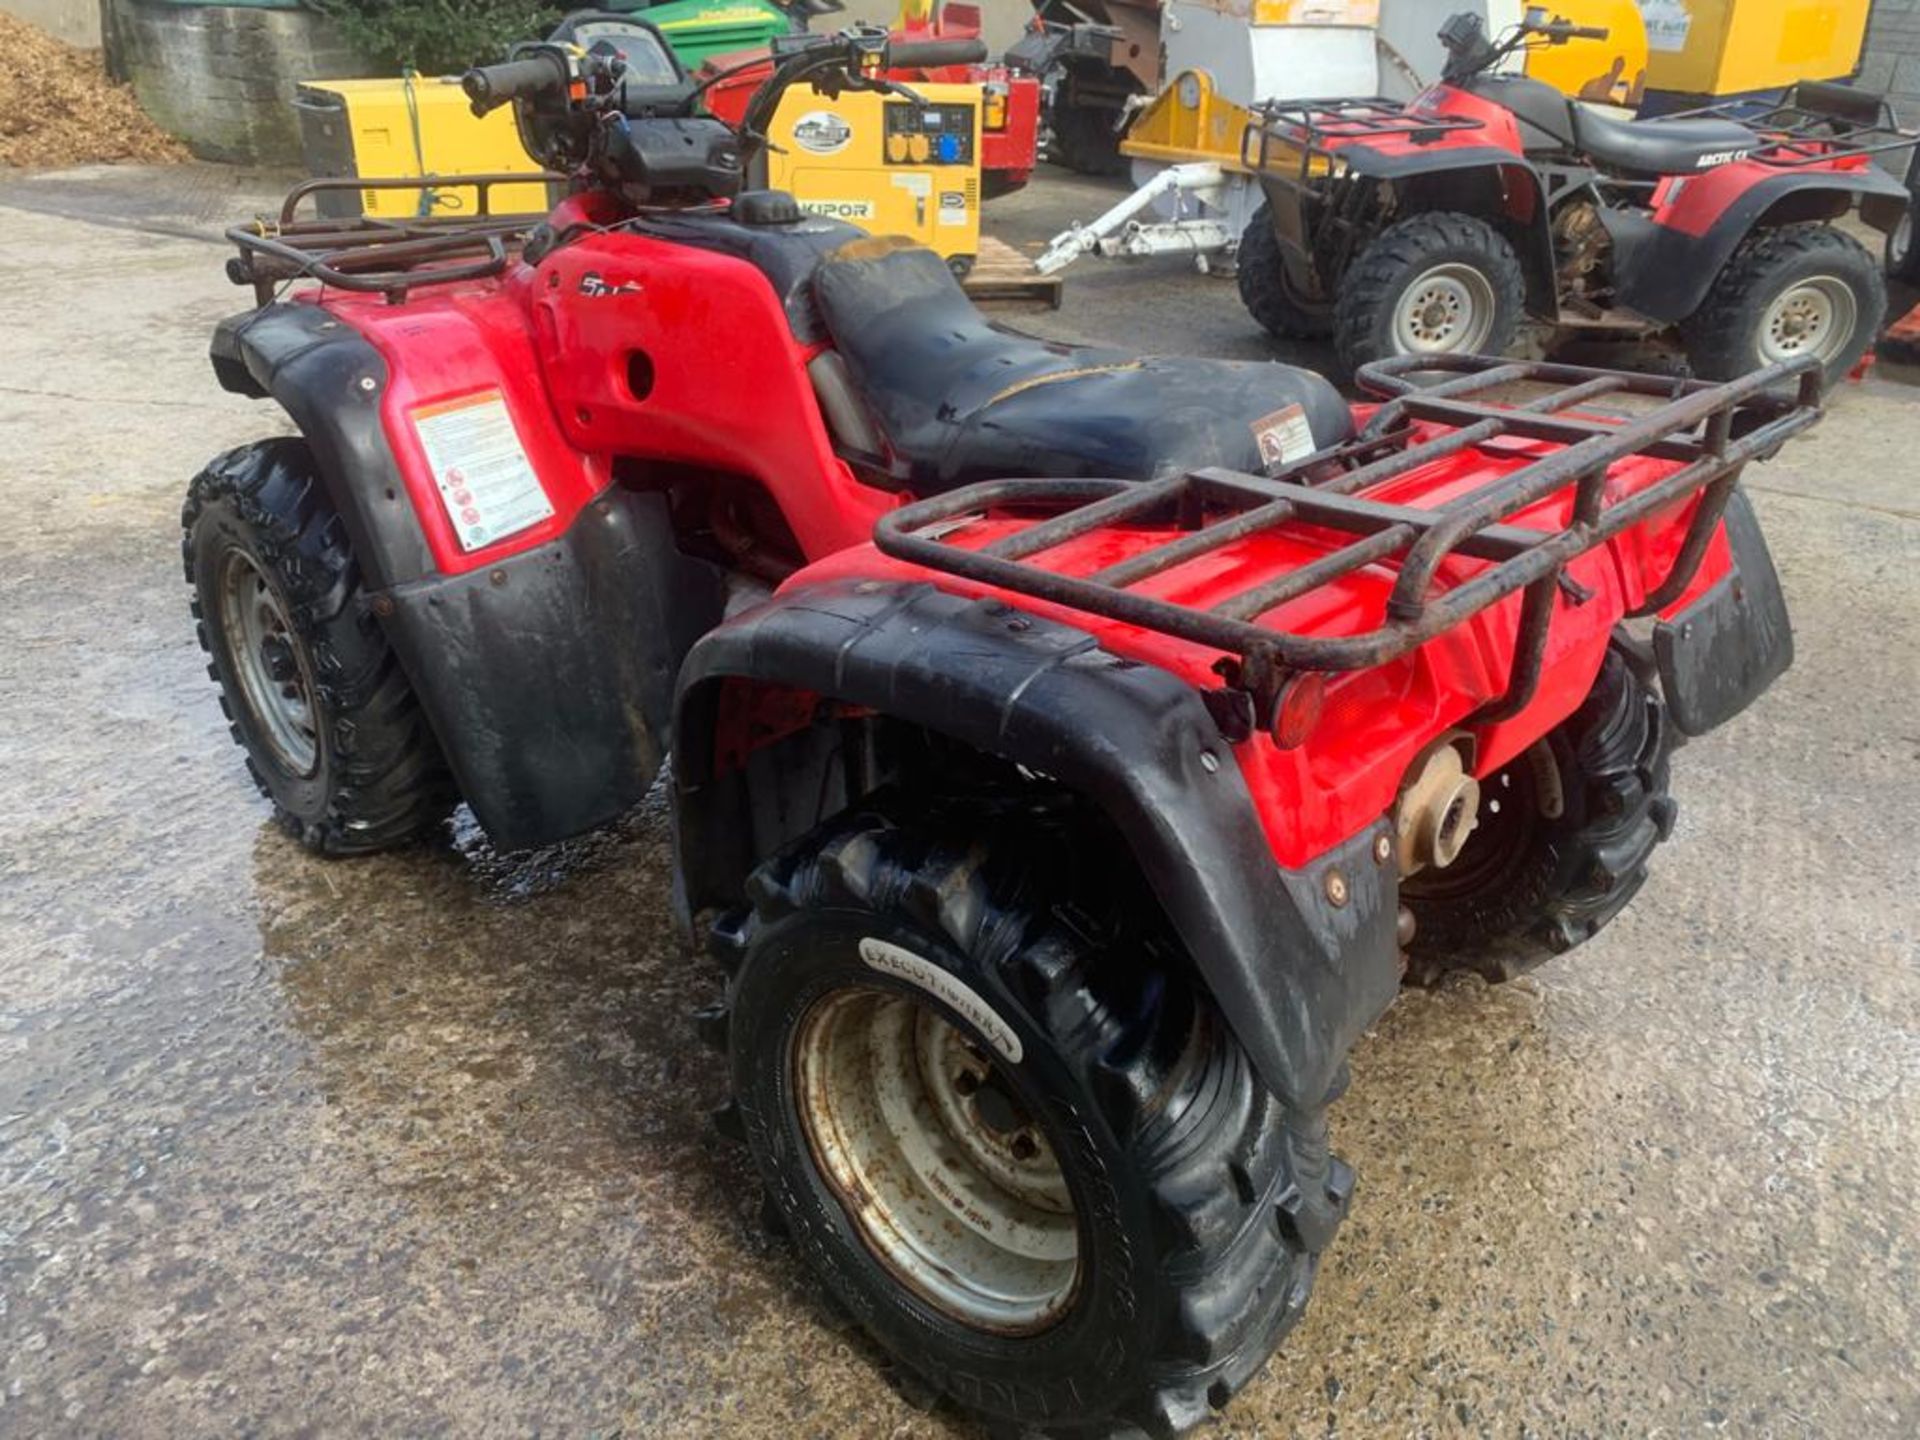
(1003, 273)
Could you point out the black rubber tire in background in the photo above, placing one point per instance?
(1902, 256)
(1203, 1204)
(1529, 885)
(1721, 336)
(1085, 140)
(1393, 259)
(1261, 273)
(379, 779)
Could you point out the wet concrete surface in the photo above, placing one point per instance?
(416, 1145)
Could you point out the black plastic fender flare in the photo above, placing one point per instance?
(1299, 962)
(1664, 273)
(1502, 167)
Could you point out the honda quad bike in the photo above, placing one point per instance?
(1439, 225)
(1070, 751)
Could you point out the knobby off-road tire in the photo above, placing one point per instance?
(1901, 254)
(1084, 139)
(1748, 317)
(1564, 837)
(1266, 291)
(332, 731)
(1465, 272)
(1198, 1203)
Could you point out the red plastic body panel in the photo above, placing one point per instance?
(1694, 204)
(450, 342)
(1373, 723)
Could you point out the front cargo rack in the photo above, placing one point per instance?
(1314, 128)
(375, 256)
(1710, 430)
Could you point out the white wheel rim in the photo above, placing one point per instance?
(1445, 310)
(1815, 317)
(941, 1173)
(270, 664)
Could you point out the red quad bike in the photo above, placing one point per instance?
(1436, 226)
(1070, 750)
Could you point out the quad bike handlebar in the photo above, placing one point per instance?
(1470, 52)
(489, 87)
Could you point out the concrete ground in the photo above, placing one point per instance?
(416, 1145)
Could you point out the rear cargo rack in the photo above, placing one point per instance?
(1710, 430)
(1806, 133)
(374, 256)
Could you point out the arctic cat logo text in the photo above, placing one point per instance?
(1719, 157)
(839, 209)
(594, 287)
(822, 132)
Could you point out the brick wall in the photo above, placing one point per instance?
(1891, 64)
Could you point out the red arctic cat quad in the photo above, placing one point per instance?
(1070, 750)
(1438, 225)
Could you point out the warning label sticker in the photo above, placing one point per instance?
(480, 468)
(1283, 437)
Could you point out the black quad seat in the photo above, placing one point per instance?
(1660, 147)
(956, 400)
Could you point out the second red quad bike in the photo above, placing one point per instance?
(1070, 751)
(1440, 225)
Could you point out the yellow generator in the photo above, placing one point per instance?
(885, 164)
(1716, 48)
(412, 126)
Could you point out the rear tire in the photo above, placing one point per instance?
(1437, 282)
(1774, 297)
(1566, 830)
(1268, 293)
(1197, 1204)
(332, 732)
(1903, 259)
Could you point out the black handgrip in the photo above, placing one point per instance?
(1588, 32)
(491, 86)
(931, 54)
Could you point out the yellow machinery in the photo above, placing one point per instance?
(413, 125)
(1733, 47)
(885, 164)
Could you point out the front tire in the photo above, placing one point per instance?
(1565, 833)
(1086, 139)
(1436, 283)
(312, 693)
(1269, 293)
(1109, 1228)
(1787, 292)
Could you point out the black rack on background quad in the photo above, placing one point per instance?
(1817, 124)
(1312, 124)
(1711, 430)
(376, 256)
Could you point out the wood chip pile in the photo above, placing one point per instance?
(58, 109)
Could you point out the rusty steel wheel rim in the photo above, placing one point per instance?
(927, 1147)
(270, 663)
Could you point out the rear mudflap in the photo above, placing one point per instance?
(1733, 641)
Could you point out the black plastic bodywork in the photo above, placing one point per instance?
(547, 676)
(1723, 650)
(1664, 273)
(1482, 180)
(1297, 976)
(959, 400)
